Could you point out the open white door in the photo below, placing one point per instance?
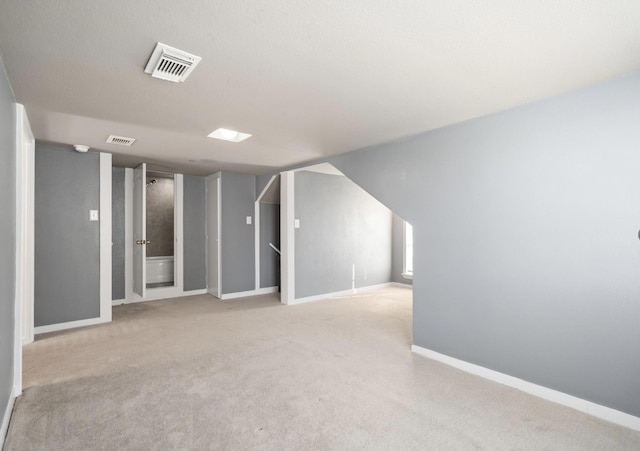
(140, 230)
(213, 234)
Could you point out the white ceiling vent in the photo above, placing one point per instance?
(171, 64)
(120, 140)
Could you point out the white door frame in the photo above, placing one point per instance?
(178, 234)
(25, 203)
(25, 177)
(176, 290)
(287, 237)
(106, 237)
(152, 294)
(257, 228)
(217, 290)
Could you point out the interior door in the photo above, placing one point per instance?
(213, 235)
(140, 230)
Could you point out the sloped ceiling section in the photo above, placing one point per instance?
(306, 79)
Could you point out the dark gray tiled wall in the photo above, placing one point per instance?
(160, 217)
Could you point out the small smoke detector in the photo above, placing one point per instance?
(171, 64)
(81, 148)
(120, 140)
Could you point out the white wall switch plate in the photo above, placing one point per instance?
(248, 219)
(93, 215)
(296, 223)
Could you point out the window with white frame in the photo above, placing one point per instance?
(407, 262)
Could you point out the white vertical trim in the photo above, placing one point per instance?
(19, 255)
(257, 229)
(178, 215)
(30, 236)
(214, 178)
(206, 233)
(19, 258)
(25, 178)
(582, 405)
(287, 237)
(128, 233)
(405, 269)
(23, 283)
(105, 236)
(219, 237)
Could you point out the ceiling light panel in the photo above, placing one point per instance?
(226, 134)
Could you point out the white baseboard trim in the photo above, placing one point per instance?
(69, 325)
(194, 292)
(401, 285)
(582, 405)
(244, 294)
(135, 299)
(5, 419)
(338, 294)
(319, 297)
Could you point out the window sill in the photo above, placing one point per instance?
(407, 275)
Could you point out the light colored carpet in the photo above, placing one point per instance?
(199, 373)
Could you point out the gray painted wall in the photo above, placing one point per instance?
(238, 239)
(67, 244)
(117, 234)
(269, 233)
(194, 217)
(340, 225)
(526, 238)
(160, 216)
(7, 236)
(397, 251)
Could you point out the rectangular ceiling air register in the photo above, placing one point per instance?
(171, 64)
(120, 140)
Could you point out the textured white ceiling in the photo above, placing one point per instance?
(306, 78)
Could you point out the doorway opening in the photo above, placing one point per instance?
(267, 213)
(337, 239)
(160, 191)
